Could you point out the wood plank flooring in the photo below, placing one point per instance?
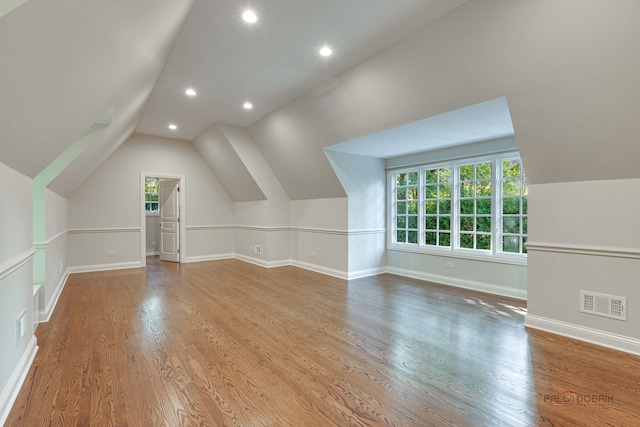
(226, 343)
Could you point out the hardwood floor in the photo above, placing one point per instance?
(226, 343)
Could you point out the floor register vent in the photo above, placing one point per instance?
(603, 305)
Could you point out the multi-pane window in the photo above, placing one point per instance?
(437, 206)
(406, 204)
(514, 207)
(477, 205)
(151, 195)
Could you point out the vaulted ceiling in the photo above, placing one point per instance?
(567, 72)
(65, 64)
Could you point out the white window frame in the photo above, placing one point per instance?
(454, 250)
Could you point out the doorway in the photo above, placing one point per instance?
(162, 220)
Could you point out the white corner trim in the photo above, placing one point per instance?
(103, 267)
(320, 231)
(367, 231)
(261, 228)
(271, 229)
(9, 266)
(321, 269)
(473, 285)
(50, 241)
(216, 257)
(11, 390)
(45, 315)
(581, 333)
(209, 227)
(608, 251)
(105, 230)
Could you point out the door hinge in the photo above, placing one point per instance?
(178, 219)
(178, 189)
(178, 250)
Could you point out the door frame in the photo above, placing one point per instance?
(183, 214)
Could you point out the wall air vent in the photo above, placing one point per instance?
(603, 305)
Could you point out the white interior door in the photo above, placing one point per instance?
(169, 220)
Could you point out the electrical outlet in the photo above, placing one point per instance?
(449, 264)
(111, 253)
(258, 249)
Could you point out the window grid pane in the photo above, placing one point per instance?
(437, 192)
(475, 211)
(406, 207)
(514, 207)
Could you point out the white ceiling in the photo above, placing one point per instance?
(480, 122)
(228, 61)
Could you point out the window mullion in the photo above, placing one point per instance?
(496, 215)
(455, 201)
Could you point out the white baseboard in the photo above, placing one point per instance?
(278, 263)
(45, 315)
(252, 260)
(11, 390)
(261, 262)
(153, 253)
(520, 294)
(103, 267)
(200, 258)
(320, 269)
(366, 273)
(581, 333)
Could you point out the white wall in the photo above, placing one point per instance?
(502, 279)
(585, 236)
(364, 180)
(104, 214)
(16, 283)
(319, 237)
(55, 253)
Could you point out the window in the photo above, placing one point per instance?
(151, 203)
(475, 195)
(406, 194)
(476, 207)
(514, 207)
(437, 207)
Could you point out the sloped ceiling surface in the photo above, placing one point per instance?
(270, 62)
(66, 63)
(568, 71)
(215, 147)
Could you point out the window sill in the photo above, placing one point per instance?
(152, 213)
(501, 259)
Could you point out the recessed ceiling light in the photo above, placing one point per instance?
(249, 16)
(190, 92)
(325, 51)
(247, 105)
(173, 127)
